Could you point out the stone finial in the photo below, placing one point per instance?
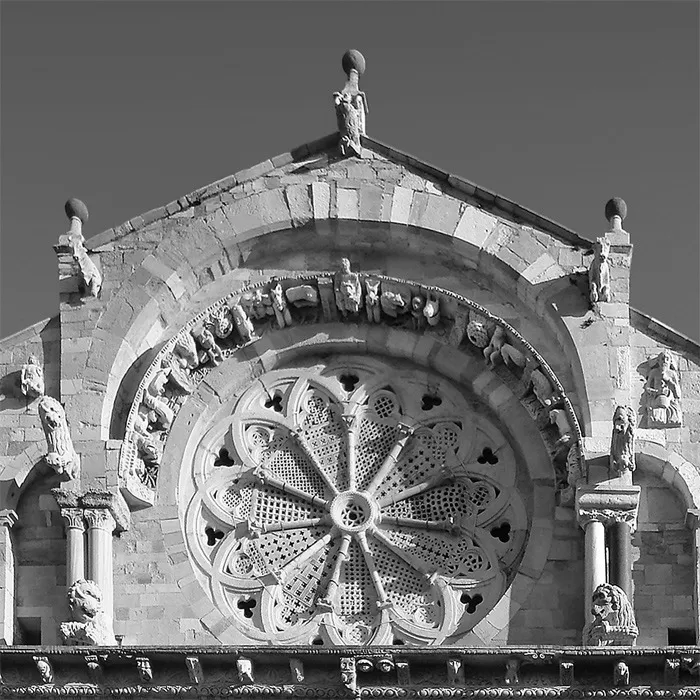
(75, 208)
(351, 105)
(91, 625)
(90, 276)
(616, 212)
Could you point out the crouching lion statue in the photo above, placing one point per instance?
(91, 625)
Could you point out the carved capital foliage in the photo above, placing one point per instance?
(74, 518)
(608, 516)
(100, 518)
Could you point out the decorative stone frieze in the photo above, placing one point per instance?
(321, 299)
(332, 673)
(91, 626)
(351, 105)
(61, 455)
(613, 622)
(32, 378)
(661, 400)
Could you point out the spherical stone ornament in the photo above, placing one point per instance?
(74, 207)
(353, 59)
(616, 207)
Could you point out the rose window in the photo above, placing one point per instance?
(350, 502)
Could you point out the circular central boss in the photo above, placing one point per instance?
(353, 511)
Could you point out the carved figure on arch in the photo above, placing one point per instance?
(91, 625)
(279, 306)
(417, 308)
(613, 622)
(372, 303)
(599, 272)
(537, 382)
(499, 350)
(348, 290)
(393, 303)
(244, 325)
(622, 441)
(209, 349)
(185, 350)
(558, 417)
(662, 393)
(61, 456)
(32, 378)
(154, 401)
(222, 322)
(431, 310)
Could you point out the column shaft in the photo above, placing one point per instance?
(7, 578)
(100, 528)
(75, 544)
(595, 561)
(621, 557)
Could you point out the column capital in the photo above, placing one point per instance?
(8, 518)
(113, 502)
(607, 503)
(100, 518)
(74, 517)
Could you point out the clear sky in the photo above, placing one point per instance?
(556, 105)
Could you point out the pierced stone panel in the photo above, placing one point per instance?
(354, 510)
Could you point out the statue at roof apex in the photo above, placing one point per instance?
(351, 105)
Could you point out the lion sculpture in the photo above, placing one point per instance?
(622, 442)
(61, 455)
(613, 621)
(91, 625)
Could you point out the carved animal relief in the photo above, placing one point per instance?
(91, 625)
(613, 622)
(60, 456)
(599, 272)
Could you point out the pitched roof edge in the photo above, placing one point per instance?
(491, 200)
(642, 321)
(29, 331)
(203, 193)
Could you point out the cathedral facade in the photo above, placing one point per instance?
(346, 424)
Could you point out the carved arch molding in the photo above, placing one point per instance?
(343, 498)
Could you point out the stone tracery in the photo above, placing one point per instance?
(355, 516)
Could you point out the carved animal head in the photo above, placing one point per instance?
(610, 604)
(602, 249)
(417, 303)
(345, 266)
(85, 600)
(623, 419)
(51, 413)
